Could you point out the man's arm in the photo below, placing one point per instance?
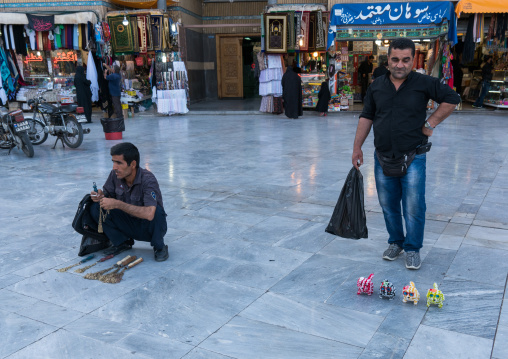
(362, 131)
(442, 112)
(135, 211)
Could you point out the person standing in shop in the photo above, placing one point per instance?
(292, 93)
(324, 97)
(114, 84)
(363, 73)
(486, 78)
(83, 92)
(396, 107)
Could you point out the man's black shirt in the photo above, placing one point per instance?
(399, 115)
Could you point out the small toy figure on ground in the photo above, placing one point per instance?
(387, 290)
(435, 296)
(365, 285)
(410, 293)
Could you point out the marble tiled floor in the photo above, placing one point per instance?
(251, 273)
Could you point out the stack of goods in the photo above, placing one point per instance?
(270, 86)
(172, 101)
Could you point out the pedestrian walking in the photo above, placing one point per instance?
(395, 106)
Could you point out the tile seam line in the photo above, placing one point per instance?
(498, 318)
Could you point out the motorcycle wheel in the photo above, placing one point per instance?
(75, 139)
(36, 132)
(26, 146)
(5, 145)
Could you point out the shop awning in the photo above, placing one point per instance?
(481, 6)
(11, 18)
(148, 4)
(395, 15)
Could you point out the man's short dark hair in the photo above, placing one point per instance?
(116, 68)
(371, 57)
(402, 43)
(128, 150)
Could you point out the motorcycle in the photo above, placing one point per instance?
(58, 121)
(13, 132)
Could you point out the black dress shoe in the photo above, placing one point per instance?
(118, 249)
(161, 254)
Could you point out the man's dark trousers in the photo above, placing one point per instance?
(120, 226)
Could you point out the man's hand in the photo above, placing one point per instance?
(97, 196)
(427, 132)
(357, 158)
(109, 203)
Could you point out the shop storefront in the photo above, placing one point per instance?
(293, 35)
(493, 16)
(40, 54)
(145, 45)
(358, 31)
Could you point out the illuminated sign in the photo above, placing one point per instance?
(65, 56)
(32, 58)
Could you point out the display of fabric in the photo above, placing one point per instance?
(149, 38)
(142, 33)
(133, 27)
(91, 74)
(3, 95)
(469, 46)
(291, 31)
(270, 75)
(172, 101)
(166, 43)
(82, 36)
(5, 31)
(320, 35)
(46, 43)
(41, 23)
(11, 36)
(69, 32)
(270, 81)
(156, 26)
(266, 104)
(75, 37)
(40, 43)
(121, 36)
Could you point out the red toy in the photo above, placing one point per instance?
(365, 285)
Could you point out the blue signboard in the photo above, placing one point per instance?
(392, 14)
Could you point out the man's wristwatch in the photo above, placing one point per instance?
(427, 124)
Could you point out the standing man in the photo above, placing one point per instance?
(292, 93)
(130, 204)
(380, 70)
(486, 78)
(115, 90)
(363, 72)
(395, 105)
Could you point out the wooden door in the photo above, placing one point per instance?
(230, 67)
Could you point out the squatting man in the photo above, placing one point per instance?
(130, 204)
(396, 106)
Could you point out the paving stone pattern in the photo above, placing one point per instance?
(251, 272)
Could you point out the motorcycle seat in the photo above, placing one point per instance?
(68, 108)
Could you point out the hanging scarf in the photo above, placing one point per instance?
(82, 36)
(91, 74)
(46, 41)
(6, 37)
(75, 37)
(40, 43)
(19, 39)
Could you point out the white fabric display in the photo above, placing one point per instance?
(3, 95)
(172, 101)
(6, 37)
(270, 88)
(11, 32)
(91, 74)
(270, 74)
(31, 36)
(274, 61)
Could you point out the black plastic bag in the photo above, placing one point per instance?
(111, 125)
(348, 218)
(91, 245)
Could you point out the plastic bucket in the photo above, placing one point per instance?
(113, 135)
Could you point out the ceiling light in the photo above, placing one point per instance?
(247, 38)
(378, 42)
(125, 22)
(426, 40)
(173, 27)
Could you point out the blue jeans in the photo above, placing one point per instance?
(410, 190)
(483, 93)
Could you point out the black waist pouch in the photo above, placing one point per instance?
(397, 167)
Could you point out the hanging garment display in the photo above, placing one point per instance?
(5, 31)
(19, 39)
(157, 24)
(40, 43)
(320, 39)
(91, 75)
(41, 23)
(291, 31)
(121, 36)
(142, 34)
(149, 38)
(172, 101)
(166, 43)
(75, 37)
(133, 27)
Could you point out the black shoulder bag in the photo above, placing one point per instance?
(83, 223)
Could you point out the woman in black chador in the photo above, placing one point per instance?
(292, 93)
(83, 92)
(324, 98)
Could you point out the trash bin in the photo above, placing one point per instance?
(113, 128)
